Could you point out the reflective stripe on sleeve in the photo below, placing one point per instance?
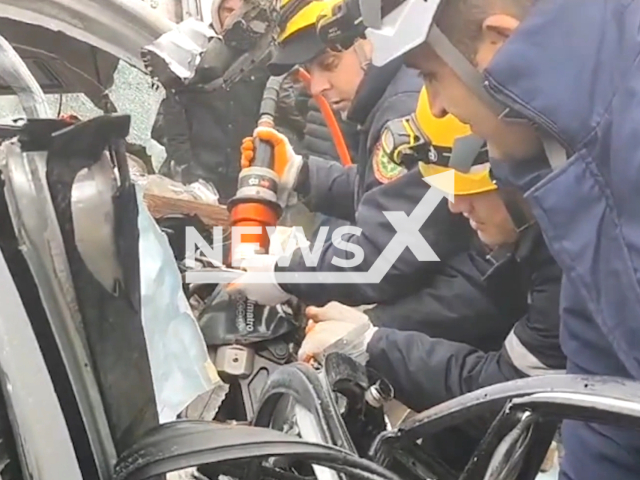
(524, 360)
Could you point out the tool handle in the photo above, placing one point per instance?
(264, 154)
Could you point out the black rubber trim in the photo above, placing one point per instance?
(305, 385)
(188, 443)
(467, 407)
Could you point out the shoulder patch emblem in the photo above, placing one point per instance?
(384, 168)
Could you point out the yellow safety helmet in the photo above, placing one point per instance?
(443, 132)
(421, 137)
(476, 180)
(298, 39)
(302, 18)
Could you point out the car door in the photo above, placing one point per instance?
(97, 360)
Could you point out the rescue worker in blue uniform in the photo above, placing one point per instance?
(359, 194)
(518, 274)
(487, 287)
(553, 86)
(479, 287)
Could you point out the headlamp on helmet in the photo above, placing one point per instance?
(421, 136)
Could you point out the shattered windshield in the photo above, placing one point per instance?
(81, 79)
(132, 93)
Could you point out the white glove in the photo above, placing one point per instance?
(336, 312)
(332, 323)
(259, 283)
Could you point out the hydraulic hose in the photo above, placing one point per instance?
(255, 203)
(330, 118)
(263, 150)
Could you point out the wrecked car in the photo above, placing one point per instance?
(78, 396)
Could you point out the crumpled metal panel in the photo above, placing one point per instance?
(108, 285)
(36, 226)
(178, 52)
(120, 27)
(40, 239)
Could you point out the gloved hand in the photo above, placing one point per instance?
(287, 163)
(259, 283)
(332, 323)
(190, 473)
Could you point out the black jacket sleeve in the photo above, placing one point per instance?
(331, 188)
(445, 233)
(426, 371)
(456, 305)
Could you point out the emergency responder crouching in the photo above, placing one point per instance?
(425, 371)
(473, 288)
(479, 287)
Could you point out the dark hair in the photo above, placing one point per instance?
(461, 20)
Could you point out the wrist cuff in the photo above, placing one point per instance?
(303, 186)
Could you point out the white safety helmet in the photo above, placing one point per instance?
(404, 28)
(408, 25)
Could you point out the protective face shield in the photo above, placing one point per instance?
(340, 25)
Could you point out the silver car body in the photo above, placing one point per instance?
(119, 28)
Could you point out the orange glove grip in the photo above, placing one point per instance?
(279, 143)
(247, 153)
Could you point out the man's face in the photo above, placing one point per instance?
(336, 77)
(227, 8)
(488, 216)
(449, 95)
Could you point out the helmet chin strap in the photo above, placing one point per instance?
(474, 80)
(468, 73)
(363, 57)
